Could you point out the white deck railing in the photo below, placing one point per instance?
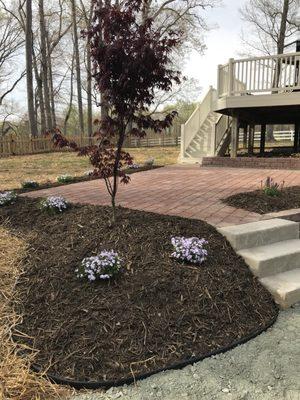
(260, 75)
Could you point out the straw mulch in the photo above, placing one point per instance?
(16, 380)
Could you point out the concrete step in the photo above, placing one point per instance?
(273, 258)
(284, 287)
(260, 233)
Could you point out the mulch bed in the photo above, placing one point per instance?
(78, 179)
(261, 203)
(154, 314)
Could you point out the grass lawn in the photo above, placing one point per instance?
(45, 167)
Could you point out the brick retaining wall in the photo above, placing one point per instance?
(252, 162)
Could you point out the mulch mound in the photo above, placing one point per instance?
(156, 313)
(261, 203)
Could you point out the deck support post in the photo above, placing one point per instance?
(251, 140)
(263, 139)
(297, 137)
(234, 137)
(245, 136)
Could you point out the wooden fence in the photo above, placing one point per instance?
(22, 146)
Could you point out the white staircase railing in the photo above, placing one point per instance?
(190, 129)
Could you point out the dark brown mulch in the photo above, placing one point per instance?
(261, 203)
(156, 313)
(78, 179)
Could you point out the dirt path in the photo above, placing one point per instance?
(266, 368)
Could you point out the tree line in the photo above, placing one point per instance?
(58, 70)
(41, 42)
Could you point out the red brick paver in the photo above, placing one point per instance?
(186, 191)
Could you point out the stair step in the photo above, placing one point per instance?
(260, 233)
(284, 287)
(273, 258)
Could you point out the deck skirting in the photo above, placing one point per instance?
(253, 162)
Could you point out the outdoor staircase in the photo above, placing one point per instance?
(206, 133)
(271, 248)
(200, 145)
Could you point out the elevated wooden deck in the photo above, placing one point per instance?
(260, 89)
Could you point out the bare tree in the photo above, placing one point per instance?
(69, 110)
(269, 25)
(78, 67)
(87, 16)
(11, 42)
(45, 64)
(29, 74)
(183, 14)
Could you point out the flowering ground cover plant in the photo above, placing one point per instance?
(7, 198)
(189, 249)
(150, 162)
(134, 166)
(101, 267)
(54, 204)
(89, 173)
(272, 188)
(30, 184)
(65, 178)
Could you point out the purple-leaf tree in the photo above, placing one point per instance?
(131, 62)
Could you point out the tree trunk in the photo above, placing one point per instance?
(89, 78)
(71, 98)
(89, 92)
(29, 74)
(104, 104)
(39, 84)
(51, 87)
(45, 63)
(78, 71)
(283, 25)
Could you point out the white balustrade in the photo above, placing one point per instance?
(260, 75)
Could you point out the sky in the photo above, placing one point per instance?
(223, 42)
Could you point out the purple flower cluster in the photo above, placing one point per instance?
(134, 166)
(7, 198)
(189, 249)
(101, 267)
(55, 204)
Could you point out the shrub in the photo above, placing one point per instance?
(272, 188)
(65, 179)
(7, 198)
(30, 185)
(150, 162)
(189, 250)
(54, 204)
(101, 267)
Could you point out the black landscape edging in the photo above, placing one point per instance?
(108, 384)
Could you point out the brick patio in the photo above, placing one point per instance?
(187, 191)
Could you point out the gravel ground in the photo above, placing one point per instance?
(265, 368)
